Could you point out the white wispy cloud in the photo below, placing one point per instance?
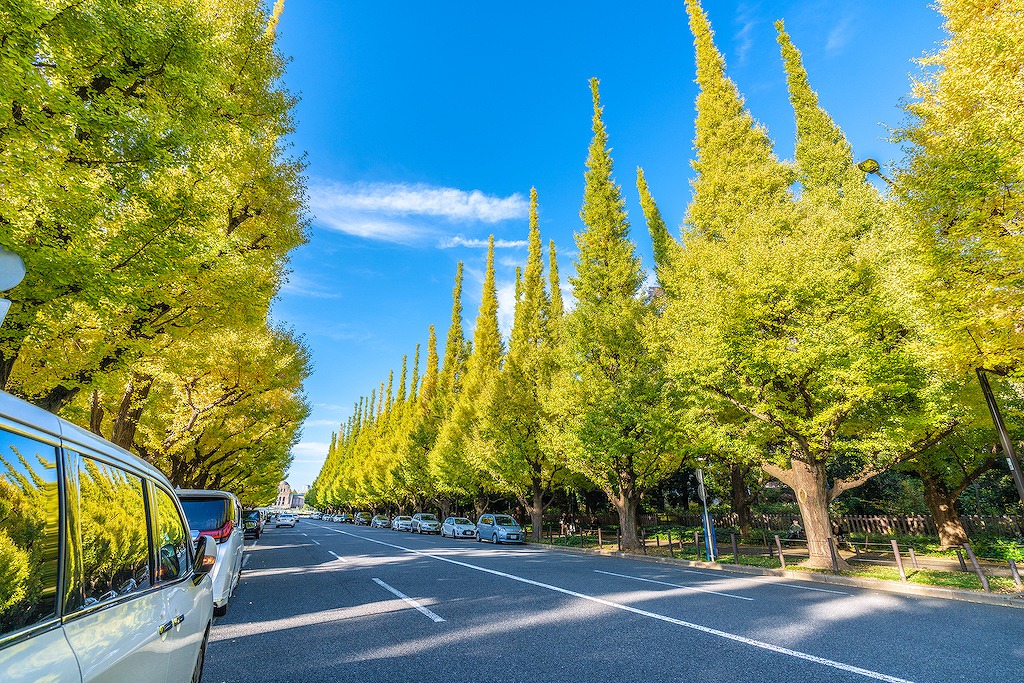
(745, 34)
(321, 423)
(297, 285)
(839, 36)
(407, 214)
(506, 307)
(310, 449)
(460, 241)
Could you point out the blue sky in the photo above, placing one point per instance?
(424, 126)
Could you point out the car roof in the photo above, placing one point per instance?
(204, 493)
(75, 437)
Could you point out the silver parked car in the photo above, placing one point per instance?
(425, 523)
(380, 522)
(458, 527)
(402, 523)
(498, 529)
(101, 580)
(218, 514)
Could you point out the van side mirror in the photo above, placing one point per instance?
(206, 557)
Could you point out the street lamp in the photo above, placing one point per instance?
(12, 272)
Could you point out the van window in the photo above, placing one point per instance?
(29, 532)
(207, 514)
(113, 533)
(171, 539)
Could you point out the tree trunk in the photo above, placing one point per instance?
(810, 485)
(740, 497)
(537, 510)
(942, 504)
(96, 414)
(481, 501)
(626, 503)
(130, 411)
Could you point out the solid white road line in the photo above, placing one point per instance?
(337, 556)
(675, 585)
(775, 582)
(867, 673)
(412, 603)
(245, 560)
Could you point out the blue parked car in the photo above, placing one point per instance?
(498, 529)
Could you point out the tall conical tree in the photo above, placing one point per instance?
(513, 413)
(781, 317)
(612, 418)
(557, 307)
(454, 346)
(455, 468)
(737, 172)
(665, 246)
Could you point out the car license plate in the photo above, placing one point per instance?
(513, 537)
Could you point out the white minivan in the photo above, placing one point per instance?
(218, 514)
(99, 579)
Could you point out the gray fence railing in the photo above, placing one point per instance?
(886, 525)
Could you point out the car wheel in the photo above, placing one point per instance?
(478, 539)
(494, 539)
(197, 675)
(220, 611)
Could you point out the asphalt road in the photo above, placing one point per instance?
(331, 602)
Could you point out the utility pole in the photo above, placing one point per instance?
(1004, 436)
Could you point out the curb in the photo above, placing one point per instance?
(911, 589)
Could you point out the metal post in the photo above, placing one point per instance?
(618, 537)
(671, 553)
(1004, 436)
(1015, 574)
(960, 556)
(899, 560)
(913, 557)
(782, 558)
(696, 543)
(657, 539)
(735, 549)
(643, 539)
(600, 541)
(977, 568)
(832, 550)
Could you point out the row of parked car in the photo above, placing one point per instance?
(496, 528)
(107, 572)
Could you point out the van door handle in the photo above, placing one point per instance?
(178, 619)
(166, 627)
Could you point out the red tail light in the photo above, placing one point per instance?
(222, 534)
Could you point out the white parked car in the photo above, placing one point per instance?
(134, 600)
(424, 523)
(402, 523)
(286, 519)
(458, 527)
(218, 514)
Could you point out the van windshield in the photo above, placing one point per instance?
(206, 514)
(428, 518)
(504, 520)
